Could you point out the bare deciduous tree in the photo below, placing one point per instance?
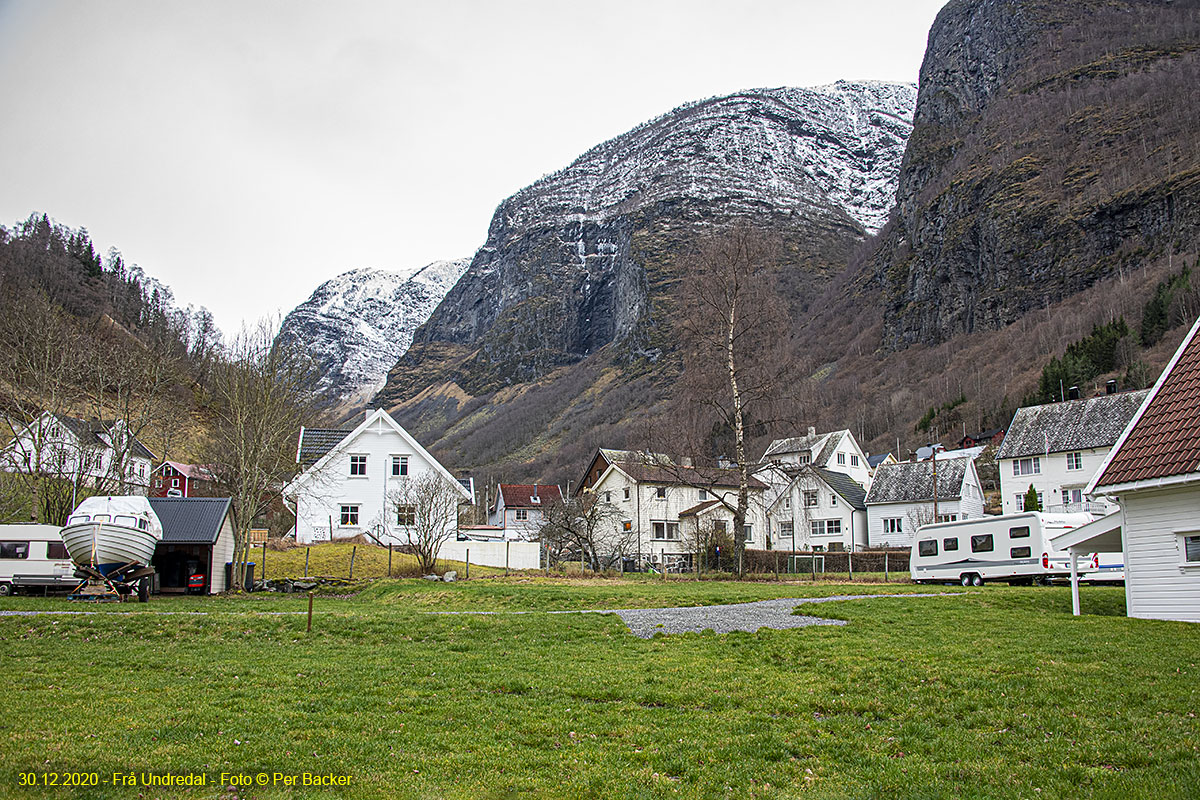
(734, 330)
(585, 527)
(426, 514)
(263, 394)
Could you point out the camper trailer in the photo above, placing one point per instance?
(34, 556)
(1014, 548)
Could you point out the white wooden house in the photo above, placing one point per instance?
(1154, 473)
(655, 507)
(836, 450)
(92, 453)
(818, 509)
(353, 477)
(1057, 449)
(901, 498)
(519, 511)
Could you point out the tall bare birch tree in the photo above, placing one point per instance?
(263, 394)
(734, 330)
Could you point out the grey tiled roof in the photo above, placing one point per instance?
(1073, 425)
(88, 432)
(849, 489)
(912, 482)
(190, 520)
(316, 442)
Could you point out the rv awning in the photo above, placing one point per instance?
(1100, 536)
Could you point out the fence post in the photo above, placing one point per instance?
(885, 566)
(389, 559)
(353, 551)
(812, 560)
(310, 597)
(307, 550)
(850, 562)
(468, 573)
(506, 546)
(262, 573)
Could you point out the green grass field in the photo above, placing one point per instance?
(994, 692)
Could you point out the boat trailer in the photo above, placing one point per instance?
(119, 583)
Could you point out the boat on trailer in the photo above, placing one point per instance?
(111, 540)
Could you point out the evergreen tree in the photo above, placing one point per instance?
(1031, 500)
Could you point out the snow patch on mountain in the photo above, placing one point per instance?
(357, 325)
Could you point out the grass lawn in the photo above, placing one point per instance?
(996, 692)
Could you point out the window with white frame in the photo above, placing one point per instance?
(522, 514)
(833, 500)
(893, 524)
(660, 492)
(947, 518)
(1020, 498)
(804, 458)
(1070, 496)
(608, 497)
(1027, 466)
(664, 531)
(787, 501)
(786, 530)
(406, 515)
(810, 498)
(358, 465)
(626, 492)
(720, 526)
(1190, 547)
(854, 461)
(826, 527)
(747, 533)
(349, 516)
(841, 459)
(703, 495)
(1074, 461)
(399, 466)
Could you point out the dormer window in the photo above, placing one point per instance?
(804, 457)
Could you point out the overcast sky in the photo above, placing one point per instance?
(244, 152)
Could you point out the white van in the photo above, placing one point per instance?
(1014, 548)
(34, 556)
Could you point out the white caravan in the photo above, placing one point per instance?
(34, 556)
(1014, 548)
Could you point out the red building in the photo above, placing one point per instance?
(172, 479)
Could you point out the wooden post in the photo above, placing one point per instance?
(306, 552)
(310, 597)
(389, 559)
(468, 570)
(506, 546)
(353, 551)
(850, 563)
(812, 562)
(776, 565)
(262, 573)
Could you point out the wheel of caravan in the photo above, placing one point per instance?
(965, 579)
(6, 589)
(976, 580)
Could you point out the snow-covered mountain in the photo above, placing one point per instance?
(357, 324)
(580, 259)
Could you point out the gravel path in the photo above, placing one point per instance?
(775, 614)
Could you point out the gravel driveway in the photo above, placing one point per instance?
(775, 614)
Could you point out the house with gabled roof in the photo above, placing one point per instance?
(351, 479)
(1153, 471)
(606, 456)
(901, 498)
(1057, 448)
(836, 450)
(176, 479)
(653, 501)
(519, 510)
(818, 509)
(89, 452)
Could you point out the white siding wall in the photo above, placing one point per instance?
(643, 508)
(222, 553)
(521, 555)
(319, 498)
(829, 506)
(1052, 479)
(1157, 584)
(913, 515)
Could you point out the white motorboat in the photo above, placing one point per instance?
(109, 532)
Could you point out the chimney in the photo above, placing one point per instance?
(1073, 393)
(812, 431)
(1111, 387)
(685, 461)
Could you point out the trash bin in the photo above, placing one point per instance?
(249, 585)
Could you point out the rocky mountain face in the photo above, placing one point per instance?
(583, 259)
(357, 324)
(1053, 147)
